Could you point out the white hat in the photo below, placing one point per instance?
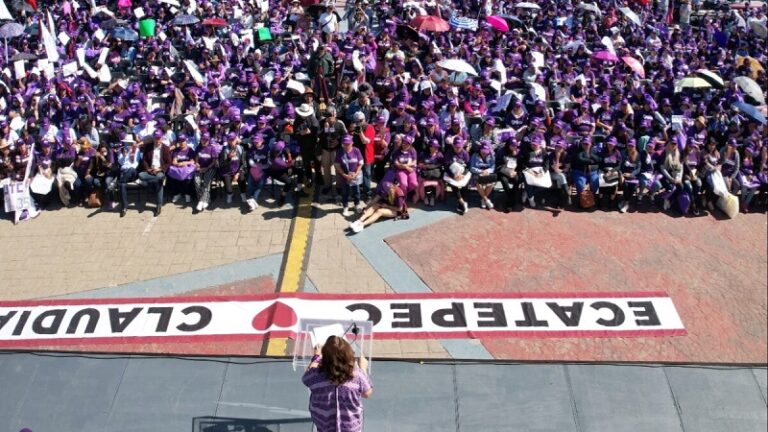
(269, 103)
(305, 110)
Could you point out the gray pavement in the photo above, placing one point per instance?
(132, 393)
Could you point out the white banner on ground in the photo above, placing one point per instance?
(394, 316)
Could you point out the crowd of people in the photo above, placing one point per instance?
(560, 103)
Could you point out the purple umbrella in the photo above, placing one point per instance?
(605, 56)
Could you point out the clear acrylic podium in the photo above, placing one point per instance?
(304, 346)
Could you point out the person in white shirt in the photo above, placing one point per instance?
(128, 159)
(329, 24)
(145, 128)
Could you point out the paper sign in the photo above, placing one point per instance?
(191, 120)
(105, 75)
(75, 5)
(192, 6)
(69, 69)
(99, 34)
(48, 70)
(162, 36)
(80, 52)
(295, 85)
(103, 56)
(171, 2)
(209, 42)
(90, 71)
(319, 335)
(194, 72)
(139, 13)
(63, 38)
(18, 69)
(174, 11)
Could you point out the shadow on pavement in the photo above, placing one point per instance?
(226, 424)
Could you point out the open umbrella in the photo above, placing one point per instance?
(498, 23)
(126, 34)
(635, 65)
(750, 88)
(430, 23)
(629, 13)
(590, 7)
(457, 65)
(605, 56)
(215, 22)
(23, 56)
(711, 77)
(112, 23)
(183, 20)
(692, 82)
(750, 111)
(406, 32)
(513, 21)
(527, 5)
(9, 31)
(754, 65)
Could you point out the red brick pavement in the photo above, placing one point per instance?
(715, 272)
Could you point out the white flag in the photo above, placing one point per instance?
(50, 44)
(51, 25)
(4, 13)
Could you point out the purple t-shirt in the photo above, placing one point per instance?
(184, 155)
(85, 160)
(349, 161)
(404, 156)
(336, 408)
(206, 155)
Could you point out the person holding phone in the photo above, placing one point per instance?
(337, 385)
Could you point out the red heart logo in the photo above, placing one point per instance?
(277, 314)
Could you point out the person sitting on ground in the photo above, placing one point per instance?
(281, 169)
(389, 202)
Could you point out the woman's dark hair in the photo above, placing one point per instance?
(338, 363)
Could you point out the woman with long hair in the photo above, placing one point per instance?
(337, 385)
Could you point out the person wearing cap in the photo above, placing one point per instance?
(585, 167)
(630, 170)
(206, 166)
(128, 160)
(671, 170)
(232, 166)
(363, 134)
(104, 171)
(610, 166)
(430, 169)
(484, 131)
(748, 179)
(281, 169)
(155, 161)
(559, 170)
(381, 148)
(349, 170)
(730, 163)
(450, 114)
(535, 161)
(66, 176)
(457, 174)
(182, 170)
(429, 132)
(6, 160)
(389, 202)
(257, 159)
(508, 160)
(403, 164)
(330, 133)
(43, 168)
(482, 165)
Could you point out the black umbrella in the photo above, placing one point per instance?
(407, 32)
(112, 23)
(513, 21)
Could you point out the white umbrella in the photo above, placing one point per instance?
(750, 88)
(458, 65)
(590, 7)
(711, 77)
(527, 5)
(629, 13)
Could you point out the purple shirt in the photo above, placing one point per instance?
(336, 408)
(206, 155)
(349, 161)
(404, 156)
(85, 160)
(184, 155)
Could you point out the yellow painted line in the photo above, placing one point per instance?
(294, 263)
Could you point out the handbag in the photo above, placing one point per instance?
(486, 179)
(718, 184)
(182, 173)
(94, 199)
(536, 177)
(729, 204)
(586, 199)
(609, 179)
